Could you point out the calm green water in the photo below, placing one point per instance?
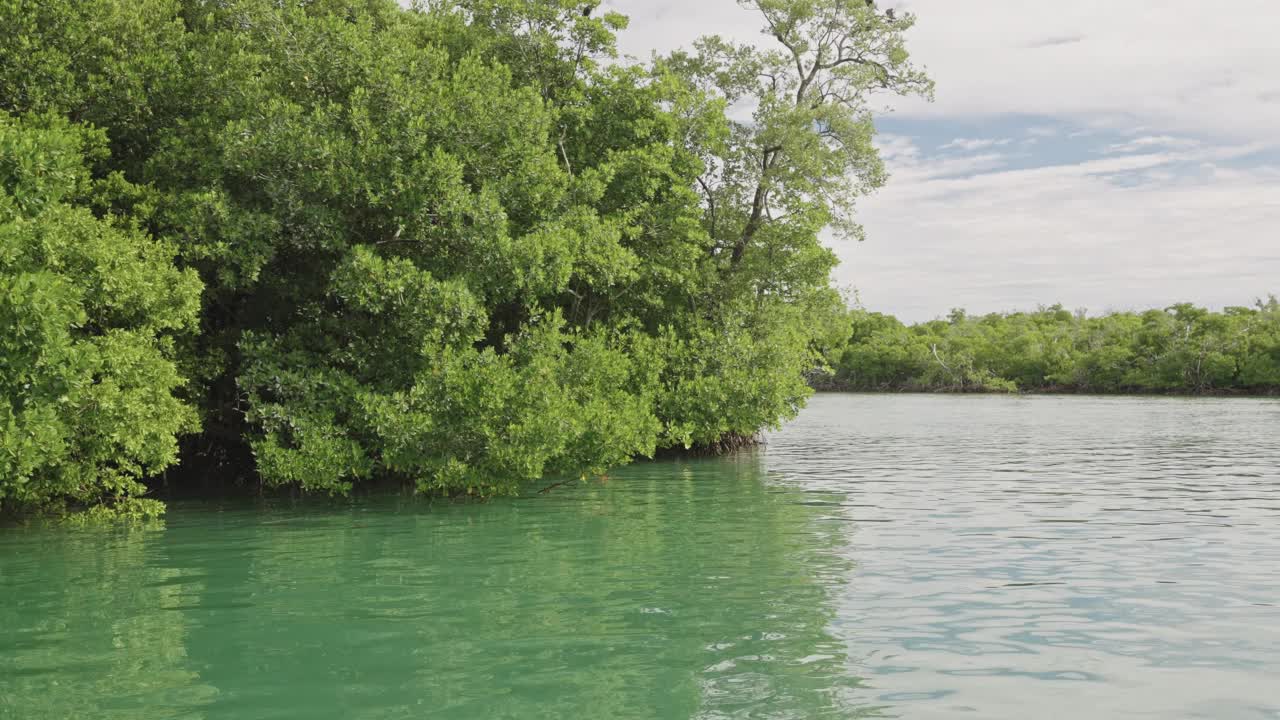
(884, 556)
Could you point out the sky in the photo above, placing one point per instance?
(1099, 154)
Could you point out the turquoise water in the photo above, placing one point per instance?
(882, 556)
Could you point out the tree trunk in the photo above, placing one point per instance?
(752, 227)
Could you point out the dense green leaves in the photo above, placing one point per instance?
(453, 244)
(89, 307)
(1182, 348)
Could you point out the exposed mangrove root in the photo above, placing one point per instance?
(553, 486)
(726, 444)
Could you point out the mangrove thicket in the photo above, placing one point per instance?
(318, 243)
(1179, 349)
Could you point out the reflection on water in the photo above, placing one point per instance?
(676, 590)
(884, 556)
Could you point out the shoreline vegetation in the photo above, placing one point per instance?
(458, 246)
(1179, 350)
(825, 387)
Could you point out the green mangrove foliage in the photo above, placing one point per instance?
(1181, 349)
(322, 242)
(90, 308)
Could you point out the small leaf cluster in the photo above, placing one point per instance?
(90, 307)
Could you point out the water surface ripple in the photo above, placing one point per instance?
(882, 556)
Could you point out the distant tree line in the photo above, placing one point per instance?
(1180, 349)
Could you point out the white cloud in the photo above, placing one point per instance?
(896, 147)
(1185, 65)
(1149, 142)
(1069, 233)
(972, 144)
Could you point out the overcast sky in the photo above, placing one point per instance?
(1101, 154)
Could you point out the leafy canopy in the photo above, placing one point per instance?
(455, 244)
